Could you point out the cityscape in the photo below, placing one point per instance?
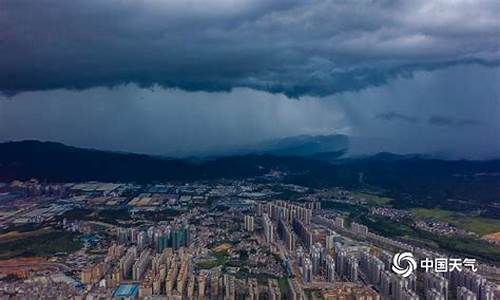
(225, 239)
(249, 150)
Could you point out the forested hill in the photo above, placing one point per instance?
(402, 176)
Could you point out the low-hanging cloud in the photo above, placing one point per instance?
(180, 123)
(160, 121)
(452, 112)
(316, 48)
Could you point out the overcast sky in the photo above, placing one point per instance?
(183, 76)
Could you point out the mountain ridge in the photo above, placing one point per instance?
(422, 180)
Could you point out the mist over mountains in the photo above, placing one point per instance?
(311, 146)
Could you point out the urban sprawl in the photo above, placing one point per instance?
(257, 238)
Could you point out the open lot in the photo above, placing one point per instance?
(42, 242)
(374, 199)
(481, 226)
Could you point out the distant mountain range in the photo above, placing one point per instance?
(413, 178)
(325, 147)
(58, 162)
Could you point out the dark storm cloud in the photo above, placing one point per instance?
(394, 116)
(160, 121)
(316, 47)
(180, 123)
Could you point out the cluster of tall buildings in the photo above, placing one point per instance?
(285, 210)
(372, 267)
(393, 286)
(168, 274)
(330, 269)
(292, 221)
(303, 232)
(94, 274)
(248, 223)
(142, 256)
(346, 262)
(359, 229)
(172, 237)
(470, 284)
(330, 239)
(268, 226)
(118, 265)
(159, 238)
(436, 284)
(318, 256)
(141, 265)
(465, 294)
(287, 235)
(341, 262)
(126, 263)
(307, 270)
(171, 275)
(338, 260)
